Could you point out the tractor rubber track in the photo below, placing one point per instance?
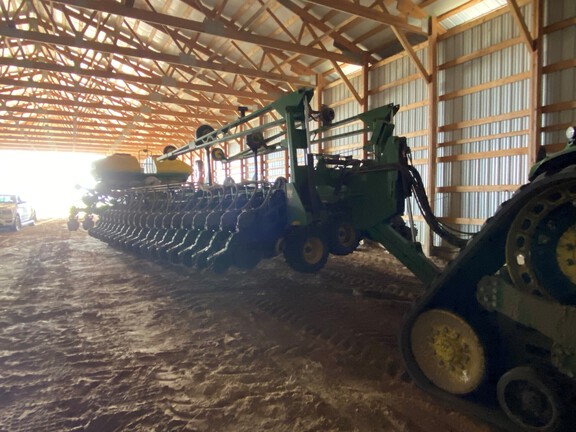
(455, 288)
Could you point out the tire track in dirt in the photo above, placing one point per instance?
(96, 340)
(356, 339)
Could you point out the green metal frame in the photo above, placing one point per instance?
(550, 318)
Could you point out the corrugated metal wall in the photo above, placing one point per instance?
(483, 119)
(397, 81)
(484, 83)
(484, 80)
(345, 105)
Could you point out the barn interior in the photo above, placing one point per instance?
(287, 215)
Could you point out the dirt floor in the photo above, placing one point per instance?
(92, 339)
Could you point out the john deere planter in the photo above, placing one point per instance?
(494, 333)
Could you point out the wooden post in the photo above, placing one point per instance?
(534, 138)
(432, 127)
(365, 84)
(321, 82)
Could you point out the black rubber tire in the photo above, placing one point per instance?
(538, 408)
(17, 225)
(341, 235)
(87, 224)
(305, 249)
(73, 225)
(203, 130)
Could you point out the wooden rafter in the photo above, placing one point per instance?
(369, 13)
(339, 40)
(206, 27)
(184, 60)
(115, 94)
(92, 115)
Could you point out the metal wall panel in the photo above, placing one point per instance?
(333, 97)
(482, 143)
(411, 93)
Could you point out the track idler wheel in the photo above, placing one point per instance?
(529, 401)
(448, 351)
(305, 249)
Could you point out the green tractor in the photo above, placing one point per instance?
(492, 335)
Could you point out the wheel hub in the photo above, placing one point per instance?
(448, 351)
(345, 236)
(313, 250)
(566, 253)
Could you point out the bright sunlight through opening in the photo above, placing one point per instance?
(52, 182)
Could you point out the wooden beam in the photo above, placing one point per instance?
(76, 132)
(210, 27)
(480, 53)
(60, 113)
(347, 82)
(182, 59)
(165, 81)
(339, 40)
(558, 66)
(158, 98)
(419, 66)
(487, 85)
(461, 141)
(95, 138)
(365, 103)
(559, 106)
(524, 32)
(484, 120)
(536, 63)
(88, 122)
(69, 146)
(395, 83)
(560, 25)
(484, 155)
(433, 102)
(368, 13)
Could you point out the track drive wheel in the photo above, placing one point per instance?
(529, 401)
(341, 236)
(305, 249)
(448, 351)
(541, 244)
